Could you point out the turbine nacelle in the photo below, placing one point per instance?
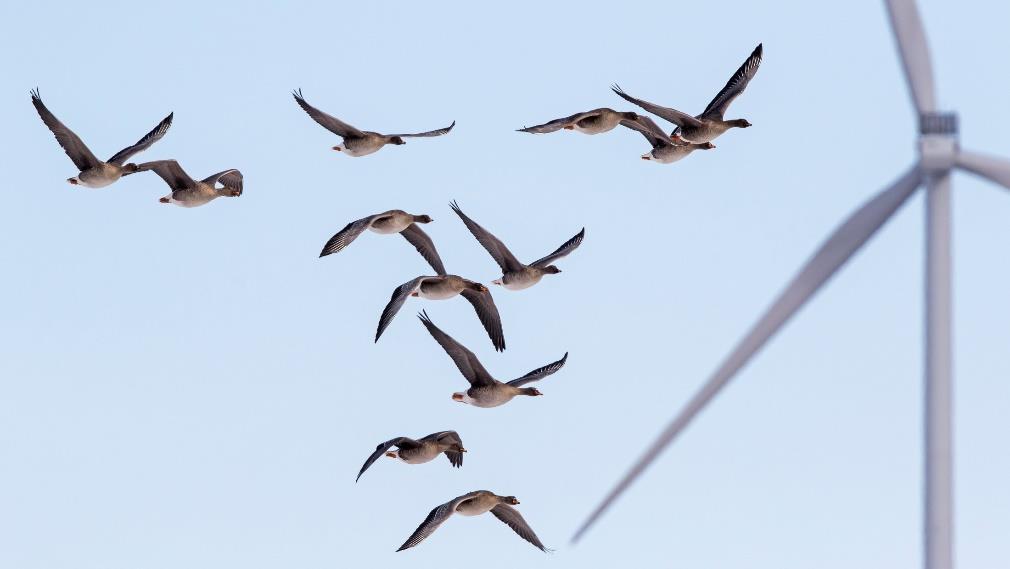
(938, 143)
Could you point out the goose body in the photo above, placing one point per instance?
(97, 176)
(485, 390)
(475, 504)
(187, 192)
(358, 142)
(515, 274)
(711, 123)
(421, 450)
(521, 279)
(95, 173)
(367, 143)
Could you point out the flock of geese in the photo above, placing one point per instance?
(691, 133)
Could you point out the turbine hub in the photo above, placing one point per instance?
(938, 143)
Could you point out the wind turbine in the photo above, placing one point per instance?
(939, 155)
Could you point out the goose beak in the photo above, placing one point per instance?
(461, 449)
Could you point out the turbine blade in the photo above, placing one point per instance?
(911, 39)
(833, 253)
(989, 167)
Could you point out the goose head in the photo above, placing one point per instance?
(551, 270)
(397, 140)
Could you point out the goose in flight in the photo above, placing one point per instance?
(441, 287)
(424, 449)
(475, 504)
(186, 191)
(359, 142)
(93, 172)
(664, 149)
(392, 221)
(711, 123)
(596, 121)
(486, 391)
(516, 275)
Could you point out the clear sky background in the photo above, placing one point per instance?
(195, 388)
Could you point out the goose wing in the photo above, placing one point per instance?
(230, 178)
(735, 86)
(424, 245)
(565, 248)
(345, 236)
(144, 143)
(435, 518)
(487, 312)
(397, 299)
(673, 115)
(436, 132)
(650, 130)
(540, 372)
(499, 252)
(455, 458)
(465, 360)
(71, 143)
(557, 124)
(170, 171)
(513, 519)
(399, 442)
(329, 122)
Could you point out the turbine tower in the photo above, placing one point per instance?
(939, 155)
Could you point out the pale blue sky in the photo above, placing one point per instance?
(194, 388)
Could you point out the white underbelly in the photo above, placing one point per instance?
(416, 459)
(100, 183)
(390, 228)
(436, 295)
(520, 285)
(595, 129)
(670, 157)
(361, 149)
